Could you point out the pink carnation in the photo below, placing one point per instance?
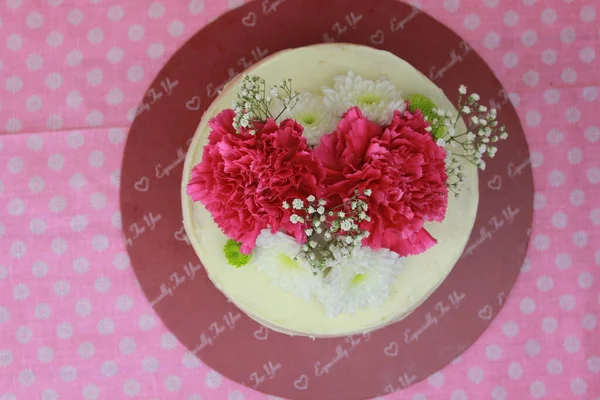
(403, 167)
(243, 180)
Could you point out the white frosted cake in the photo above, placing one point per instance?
(321, 188)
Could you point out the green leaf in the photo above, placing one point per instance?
(426, 106)
(233, 254)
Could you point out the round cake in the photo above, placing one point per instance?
(385, 95)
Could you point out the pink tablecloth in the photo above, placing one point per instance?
(73, 322)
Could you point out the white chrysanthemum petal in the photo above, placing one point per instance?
(376, 99)
(274, 255)
(362, 279)
(312, 114)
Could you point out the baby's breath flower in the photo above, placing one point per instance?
(462, 89)
(311, 198)
(286, 205)
(298, 204)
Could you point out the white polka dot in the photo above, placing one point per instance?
(556, 178)
(106, 327)
(81, 265)
(59, 246)
(539, 201)
(493, 352)
(74, 58)
(83, 307)
(567, 302)
(109, 369)
(18, 249)
(572, 344)
(568, 35)
(529, 38)
(35, 142)
(116, 135)
(14, 4)
(55, 122)
(491, 40)
(55, 3)
(95, 36)
(559, 220)
(213, 379)
(532, 348)
(533, 118)
(150, 365)
(124, 303)
(75, 17)
(57, 204)
(573, 115)
(552, 96)
(587, 13)
(156, 10)
(95, 118)
(146, 323)
(548, 16)
(135, 33)
(24, 334)
(156, 50)
(34, 62)
(232, 4)
(100, 243)
(198, 397)
(593, 175)
(132, 388)
(26, 377)
(510, 59)
(569, 75)
(14, 84)
(172, 383)
(515, 371)
(86, 350)
(96, 159)
(127, 346)
(527, 306)
(115, 55)
(575, 156)
(6, 358)
(90, 392)
(62, 288)
(549, 324)
(514, 98)
(77, 181)
(43, 311)
(190, 361)
(14, 42)
(585, 280)
(456, 395)
(593, 364)
(114, 96)
(472, 22)
(578, 386)
(50, 394)
(592, 134)
(39, 269)
(511, 18)
(580, 239)
(537, 390)
(544, 283)
(54, 39)
(595, 216)
(54, 81)
(95, 76)
(541, 242)
(176, 28)
(16, 207)
(21, 292)
(510, 329)
(549, 57)
(196, 7)
(45, 354)
(68, 373)
(115, 13)
(135, 73)
(4, 315)
(15, 165)
(13, 125)
(475, 375)
(590, 93)
(589, 322)
(102, 284)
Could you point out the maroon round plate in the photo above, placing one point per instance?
(173, 279)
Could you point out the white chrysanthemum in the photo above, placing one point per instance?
(312, 114)
(376, 99)
(275, 255)
(361, 279)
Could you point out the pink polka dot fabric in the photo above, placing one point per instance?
(74, 323)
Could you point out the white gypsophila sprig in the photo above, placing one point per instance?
(254, 103)
(377, 99)
(276, 255)
(362, 278)
(474, 145)
(310, 112)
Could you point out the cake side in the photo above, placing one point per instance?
(251, 290)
